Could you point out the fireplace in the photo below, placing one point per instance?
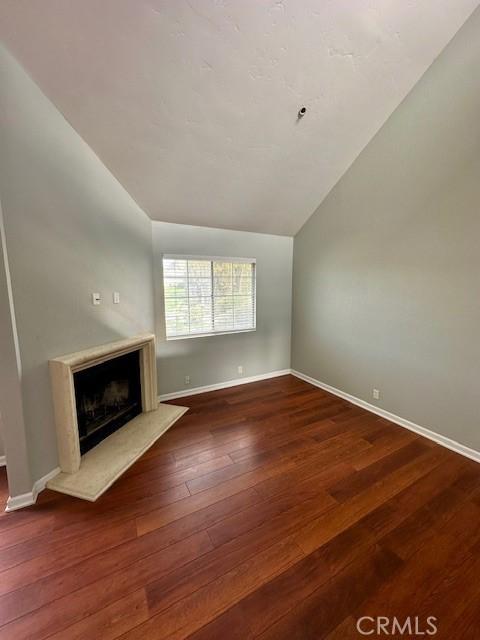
(96, 391)
(107, 396)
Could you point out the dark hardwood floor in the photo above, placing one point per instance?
(273, 511)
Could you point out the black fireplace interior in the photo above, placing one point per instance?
(107, 395)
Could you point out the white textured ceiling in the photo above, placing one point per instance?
(192, 104)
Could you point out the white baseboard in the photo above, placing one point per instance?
(3, 461)
(21, 501)
(27, 499)
(402, 422)
(42, 482)
(223, 385)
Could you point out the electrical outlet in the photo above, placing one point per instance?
(240, 369)
(116, 297)
(187, 379)
(376, 394)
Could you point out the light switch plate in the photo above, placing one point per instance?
(96, 299)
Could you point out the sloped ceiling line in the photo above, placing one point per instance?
(193, 105)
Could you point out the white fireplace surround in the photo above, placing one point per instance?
(63, 390)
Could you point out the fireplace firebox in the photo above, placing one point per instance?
(107, 396)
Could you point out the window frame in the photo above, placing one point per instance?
(211, 259)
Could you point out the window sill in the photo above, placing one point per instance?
(209, 335)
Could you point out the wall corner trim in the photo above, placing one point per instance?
(463, 450)
(27, 499)
(3, 461)
(223, 385)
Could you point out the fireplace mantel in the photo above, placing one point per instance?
(62, 369)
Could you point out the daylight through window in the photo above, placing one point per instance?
(208, 295)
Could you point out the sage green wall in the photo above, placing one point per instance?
(71, 229)
(214, 359)
(12, 424)
(386, 271)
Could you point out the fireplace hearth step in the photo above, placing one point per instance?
(106, 462)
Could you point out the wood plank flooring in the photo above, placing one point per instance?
(271, 510)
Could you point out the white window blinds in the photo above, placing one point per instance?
(208, 295)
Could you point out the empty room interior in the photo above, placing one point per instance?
(239, 319)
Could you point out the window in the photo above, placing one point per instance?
(205, 296)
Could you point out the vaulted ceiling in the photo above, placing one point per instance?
(192, 104)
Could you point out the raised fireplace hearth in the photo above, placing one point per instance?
(99, 390)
